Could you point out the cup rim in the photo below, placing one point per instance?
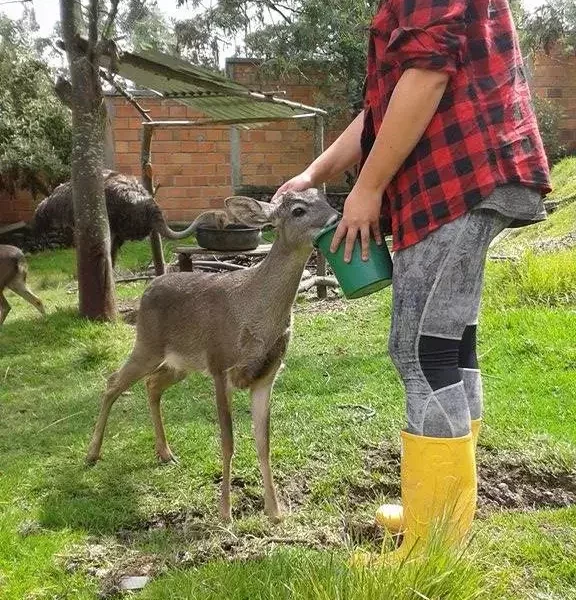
(325, 230)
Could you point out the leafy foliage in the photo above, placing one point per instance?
(146, 27)
(288, 36)
(333, 35)
(550, 115)
(35, 131)
(552, 25)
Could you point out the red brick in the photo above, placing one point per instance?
(121, 147)
(164, 134)
(125, 110)
(178, 158)
(121, 123)
(126, 135)
(273, 136)
(198, 170)
(182, 181)
(177, 111)
(168, 147)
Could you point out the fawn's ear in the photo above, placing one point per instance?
(250, 212)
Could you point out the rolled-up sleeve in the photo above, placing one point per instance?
(431, 34)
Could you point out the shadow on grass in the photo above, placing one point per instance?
(92, 500)
(28, 337)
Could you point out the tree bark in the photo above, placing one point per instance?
(95, 275)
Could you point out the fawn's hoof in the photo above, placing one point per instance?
(275, 516)
(167, 458)
(225, 514)
(91, 459)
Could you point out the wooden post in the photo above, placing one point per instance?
(321, 289)
(146, 160)
(109, 153)
(235, 159)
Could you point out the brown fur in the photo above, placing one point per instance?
(235, 326)
(13, 271)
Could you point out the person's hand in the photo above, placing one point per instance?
(300, 183)
(361, 216)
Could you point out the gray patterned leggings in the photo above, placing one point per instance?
(437, 289)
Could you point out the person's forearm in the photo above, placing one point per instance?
(344, 153)
(412, 106)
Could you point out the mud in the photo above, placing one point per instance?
(509, 483)
(515, 485)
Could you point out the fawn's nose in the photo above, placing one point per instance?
(332, 220)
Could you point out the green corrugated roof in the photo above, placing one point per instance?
(215, 96)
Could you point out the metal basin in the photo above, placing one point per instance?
(231, 239)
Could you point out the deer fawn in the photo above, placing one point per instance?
(13, 270)
(234, 326)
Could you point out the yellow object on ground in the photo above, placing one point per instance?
(391, 516)
(438, 492)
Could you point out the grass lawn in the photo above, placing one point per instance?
(67, 532)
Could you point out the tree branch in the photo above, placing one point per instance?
(93, 29)
(63, 89)
(125, 94)
(69, 17)
(316, 281)
(275, 8)
(110, 20)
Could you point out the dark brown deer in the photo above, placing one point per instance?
(234, 326)
(13, 270)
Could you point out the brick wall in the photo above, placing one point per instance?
(554, 77)
(193, 165)
(17, 207)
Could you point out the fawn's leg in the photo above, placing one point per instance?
(4, 308)
(226, 441)
(261, 392)
(118, 383)
(18, 285)
(157, 384)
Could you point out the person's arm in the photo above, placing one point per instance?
(344, 153)
(412, 106)
(429, 44)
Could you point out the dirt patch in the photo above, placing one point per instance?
(109, 562)
(555, 244)
(312, 305)
(514, 484)
(128, 311)
(503, 483)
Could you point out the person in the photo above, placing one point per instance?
(450, 155)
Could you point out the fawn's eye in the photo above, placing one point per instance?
(298, 212)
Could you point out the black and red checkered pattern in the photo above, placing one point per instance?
(484, 133)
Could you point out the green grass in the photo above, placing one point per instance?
(66, 530)
(543, 279)
(559, 223)
(564, 180)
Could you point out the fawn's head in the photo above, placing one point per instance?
(297, 216)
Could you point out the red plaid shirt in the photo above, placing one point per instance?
(484, 132)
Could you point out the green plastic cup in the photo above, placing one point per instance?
(357, 278)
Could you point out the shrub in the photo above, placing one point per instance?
(549, 116)
(35, 129)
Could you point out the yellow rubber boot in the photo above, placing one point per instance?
(438, 494)
(391, 516)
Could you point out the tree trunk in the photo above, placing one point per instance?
(95, 274)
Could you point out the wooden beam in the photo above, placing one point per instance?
(321, 288)
(146, 160)
(209, 122)
(235, 159)
(12, 227)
